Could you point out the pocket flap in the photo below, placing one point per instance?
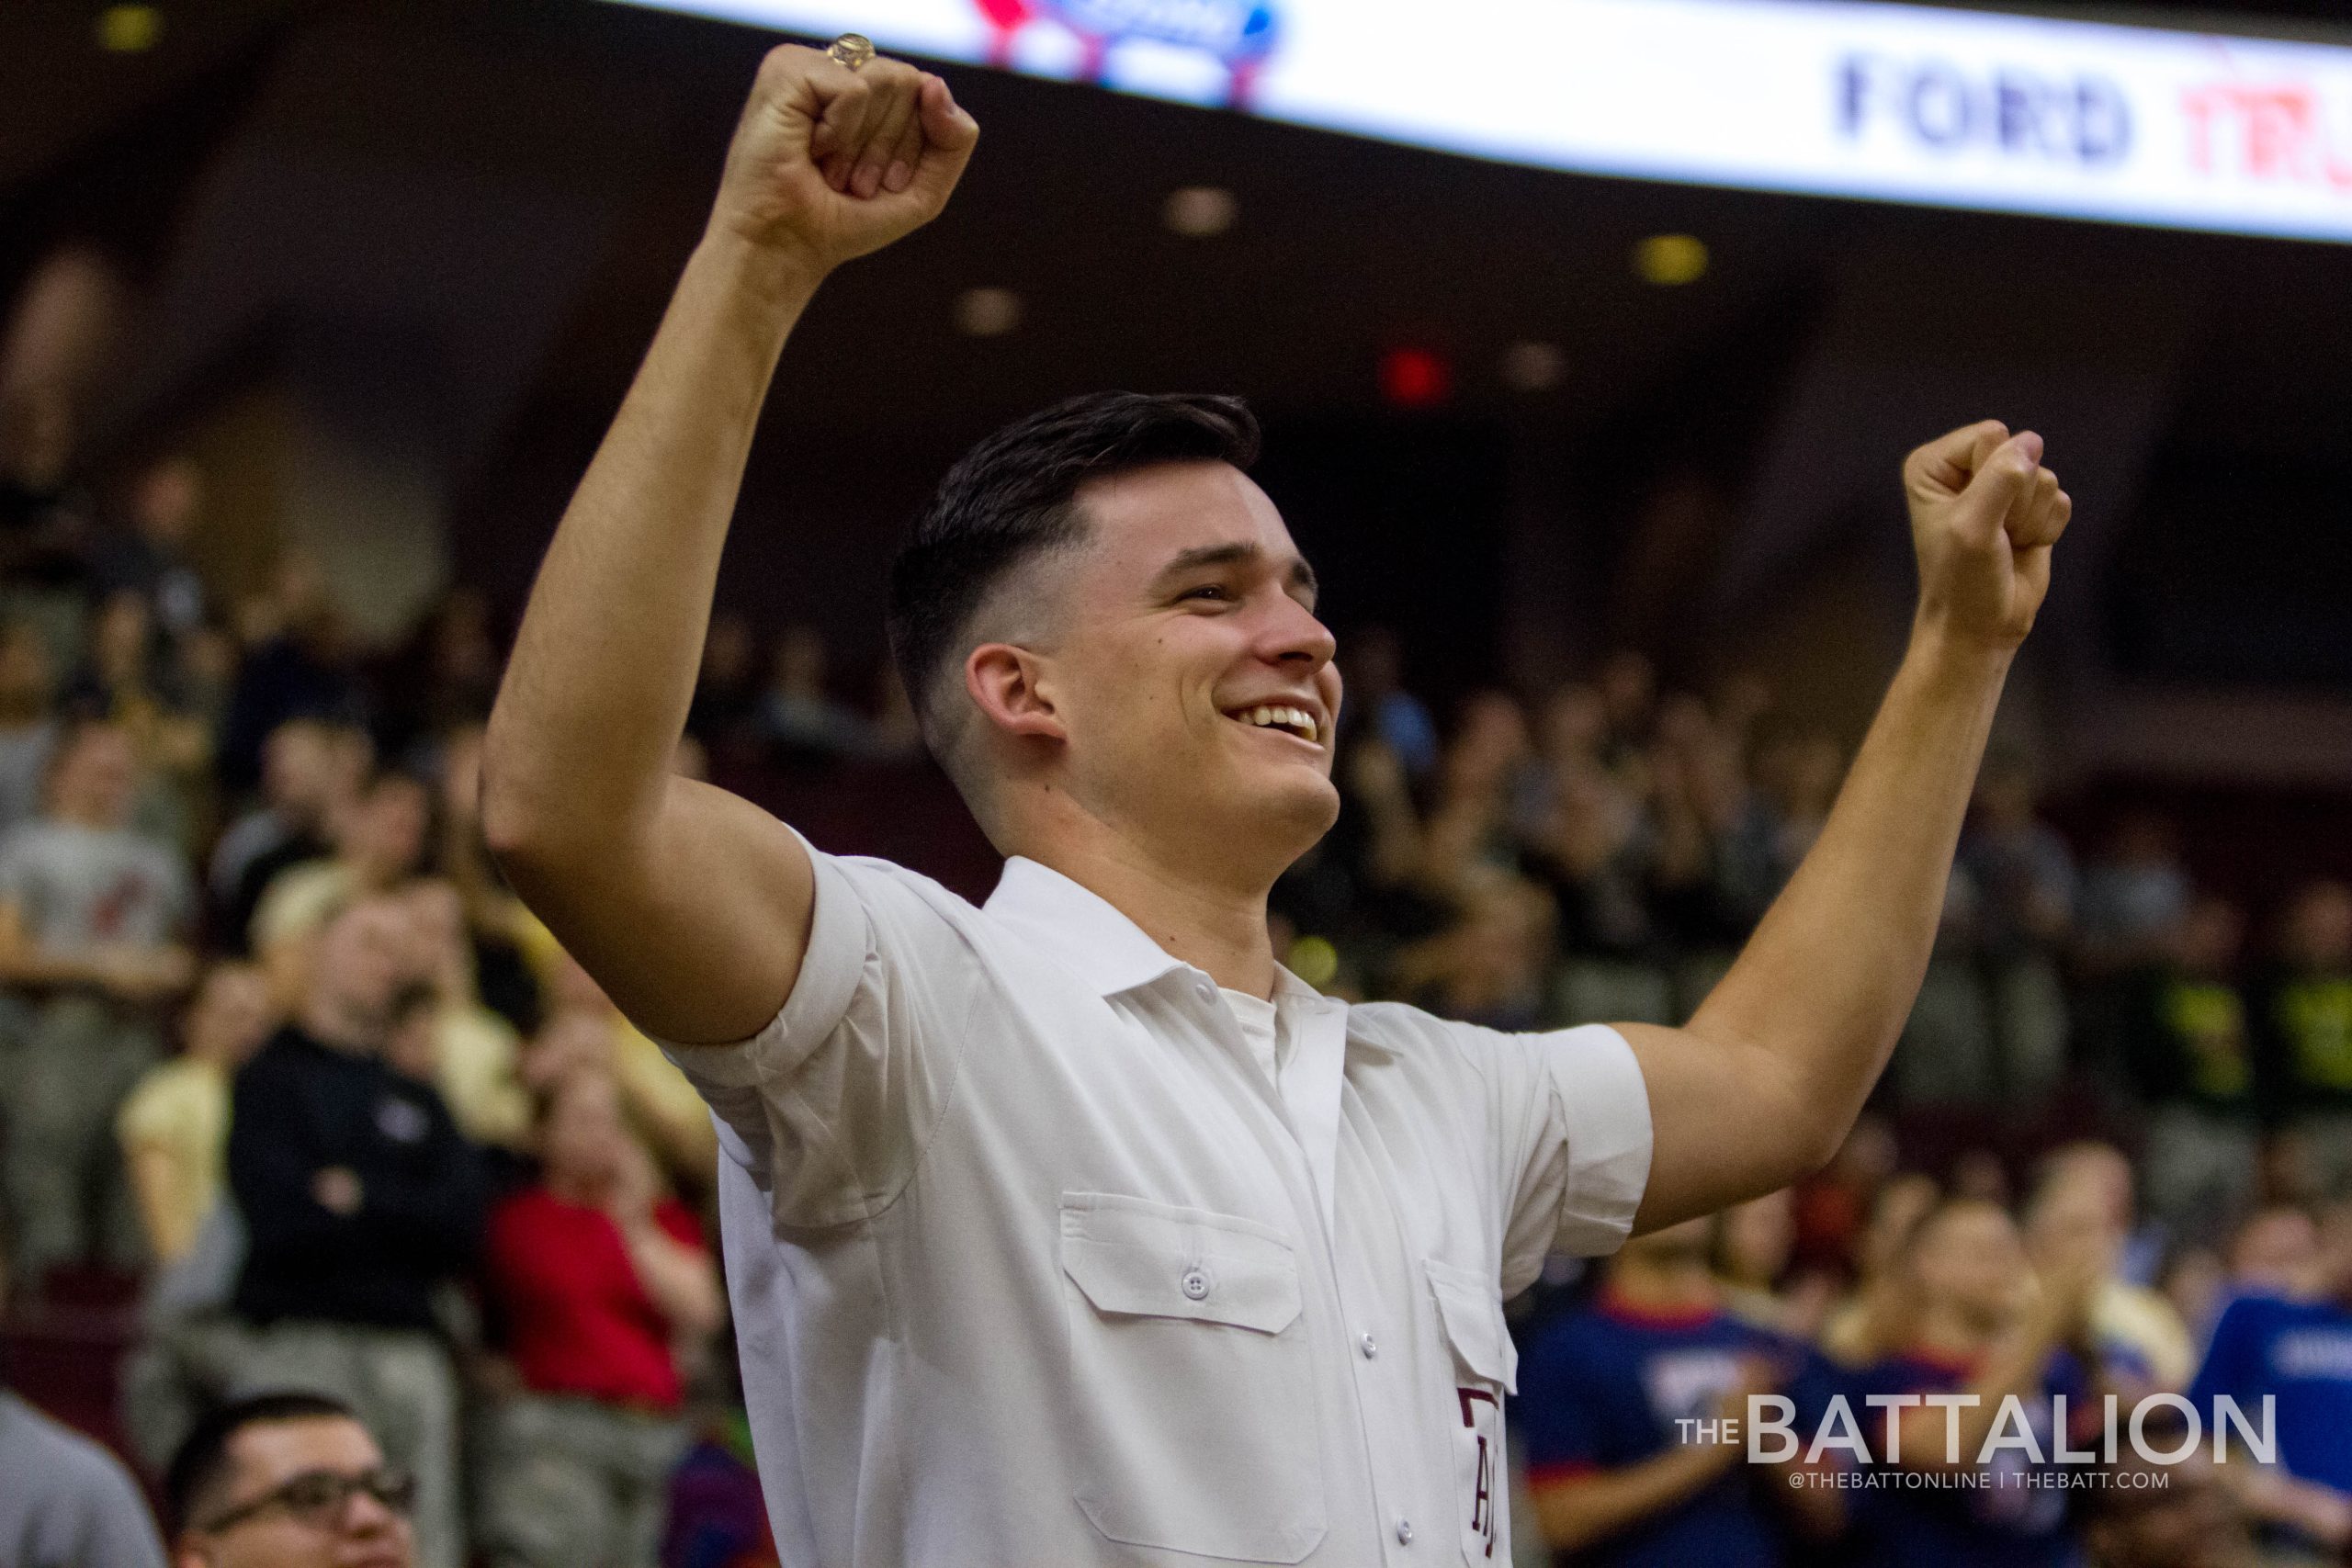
(1473, 1313)
(1147, 1259)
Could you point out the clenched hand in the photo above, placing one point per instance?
(830, 164)
(1985, 513)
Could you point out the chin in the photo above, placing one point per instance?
(1309, 802)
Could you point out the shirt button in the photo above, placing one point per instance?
(1196, 1284)
(1369, 1346)
(1403, 1532)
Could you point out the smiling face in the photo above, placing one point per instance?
(1184, 695)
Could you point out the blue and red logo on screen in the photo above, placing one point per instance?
(1238, 34)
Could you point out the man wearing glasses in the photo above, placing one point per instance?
(287, 1480)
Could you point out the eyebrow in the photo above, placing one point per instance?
(1239, 554)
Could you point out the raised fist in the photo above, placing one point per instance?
(1984, 515)
(829, 164)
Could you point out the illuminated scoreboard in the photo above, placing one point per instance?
(1943, 108)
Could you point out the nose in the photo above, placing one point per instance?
(368, 1519)
(1292, 636)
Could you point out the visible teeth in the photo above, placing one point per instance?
(1297, 720)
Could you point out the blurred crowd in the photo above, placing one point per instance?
(293, 1085)
(1599, 854)
(282, 1059)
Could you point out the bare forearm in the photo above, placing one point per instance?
(37, 967)
(1826, 982)
(1936, 1440)
(680, 1279)
(1577, 1513)
(155, 1178)
(603, 668)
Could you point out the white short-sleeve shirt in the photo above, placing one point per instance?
(1033, 1262)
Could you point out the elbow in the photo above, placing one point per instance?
(512, 823)
(527, 827)
(1815, 1120)
(1819, 1145)
(542, 821)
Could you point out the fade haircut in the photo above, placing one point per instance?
(1013, 498)
(200, 1467)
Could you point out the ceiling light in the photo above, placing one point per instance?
(130, 29)
(1670, 260)
(1415, 378)
(988, 312)
(1533, 366)
(1199, 212)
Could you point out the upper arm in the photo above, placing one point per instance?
(1728, 1123)
(837, 1095)
(154, 1182)
(696, 924)
(1570, 1124)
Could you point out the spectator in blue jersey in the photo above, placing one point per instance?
(1982, 1323)
(2298, 1348)
(1616, 1479)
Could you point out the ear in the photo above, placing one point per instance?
(1007, 683)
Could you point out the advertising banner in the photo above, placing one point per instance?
(1949, 109)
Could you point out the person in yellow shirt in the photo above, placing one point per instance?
(379, 841)
(475, 1050)
(583, 1025)
(174, 1128)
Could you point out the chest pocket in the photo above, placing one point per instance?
(1195, 1405)
(1486, 1367)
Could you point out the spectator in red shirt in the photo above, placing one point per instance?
(601, 1282)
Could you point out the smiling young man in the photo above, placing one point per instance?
(1070, 1229)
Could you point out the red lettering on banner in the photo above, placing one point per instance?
(2276, 132)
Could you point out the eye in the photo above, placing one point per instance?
(1213, 591)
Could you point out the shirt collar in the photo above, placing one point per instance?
(1084, 929)
(1109, 951)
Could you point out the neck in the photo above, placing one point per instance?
(571, 1188)
(1215, 925)
(339, 1028)
(1948, 1331)
(1669, 1284)
(221, 1054)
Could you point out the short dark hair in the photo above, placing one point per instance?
(1010, 499)
(202, 1462)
